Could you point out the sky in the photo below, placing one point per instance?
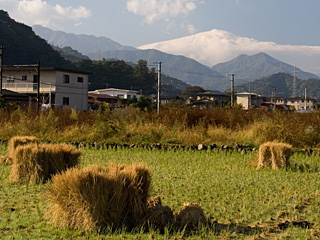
(138, 22)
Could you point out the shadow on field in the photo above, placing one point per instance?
(266, 229)
(235, 229)
(304, 168)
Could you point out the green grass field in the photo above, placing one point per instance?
(239, 201)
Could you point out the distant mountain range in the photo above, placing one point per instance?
(246, 68)
(83, 43)
(180, 67)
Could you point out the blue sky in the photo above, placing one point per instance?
(138, 22)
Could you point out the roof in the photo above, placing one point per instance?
(113, 89)
(212, 93)
(103, 96)
(299, 98)
(248, 93)
(32, 67)
(7, 94)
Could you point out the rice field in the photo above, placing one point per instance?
(240, 202)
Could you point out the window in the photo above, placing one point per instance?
(66, 78)
(65, 101)
(80, 79)
(129, 96)
(10, 79)
(24, 78)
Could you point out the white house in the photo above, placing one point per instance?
(120, 93)
(58, 87)
(249, 100)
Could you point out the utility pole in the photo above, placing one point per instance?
(38, 86)
(1, 64)
(274, 97)
(294, 84)
(158, 88)
(305, 99)
(232, 90)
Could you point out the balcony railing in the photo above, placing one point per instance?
(28, 87)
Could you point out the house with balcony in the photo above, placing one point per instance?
(59, 88)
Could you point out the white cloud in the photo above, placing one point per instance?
(154, 10)
(190, 28)
(40, 12)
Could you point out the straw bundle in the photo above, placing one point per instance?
(158, 217)
(190, 217)
(14, 142)
(95, 197)
(274, 154)
(35, 163)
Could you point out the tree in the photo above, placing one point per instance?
(145, 79)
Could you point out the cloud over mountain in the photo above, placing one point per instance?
(218, 46)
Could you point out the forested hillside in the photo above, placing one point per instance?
(23, 46)
(283, 83)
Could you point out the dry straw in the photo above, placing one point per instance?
(158, 217)
(13, 143)
(35, 163)
(274, 154)
(96, 197)
(191, 217)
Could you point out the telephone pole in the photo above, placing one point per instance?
(158, 88)
(294, 84)
(232, 89)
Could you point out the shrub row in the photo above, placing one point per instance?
(158, 146)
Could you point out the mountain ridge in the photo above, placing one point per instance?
(249, 68)
(79, 42)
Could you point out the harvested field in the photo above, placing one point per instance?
(239, 202)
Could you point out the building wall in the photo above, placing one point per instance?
(299, 104)
(244, 101)
(76, 92)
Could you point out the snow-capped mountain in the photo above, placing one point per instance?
(216, 46)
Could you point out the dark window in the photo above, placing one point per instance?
(65, 101)
(35, 81)
(24, 78)
(80, 79)
(66, 78)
